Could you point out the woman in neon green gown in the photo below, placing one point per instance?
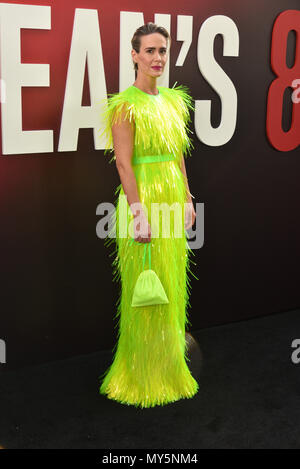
(149, 366)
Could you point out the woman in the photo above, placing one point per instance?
(146, 125)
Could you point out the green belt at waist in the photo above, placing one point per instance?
(152, 158)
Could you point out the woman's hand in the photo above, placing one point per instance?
(142, 229)
(189, 215)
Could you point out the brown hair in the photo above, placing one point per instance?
(148, 28)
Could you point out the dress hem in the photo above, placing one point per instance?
(150, 402)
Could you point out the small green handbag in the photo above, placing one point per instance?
(148, 289)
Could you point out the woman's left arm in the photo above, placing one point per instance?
(183, 170)
(190, 214)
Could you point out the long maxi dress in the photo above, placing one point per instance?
(149, 365)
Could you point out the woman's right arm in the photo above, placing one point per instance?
(123, 141)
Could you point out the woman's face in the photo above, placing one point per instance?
(153, 53)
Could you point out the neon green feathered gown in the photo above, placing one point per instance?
(149, 366)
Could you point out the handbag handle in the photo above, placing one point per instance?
(132, 240)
